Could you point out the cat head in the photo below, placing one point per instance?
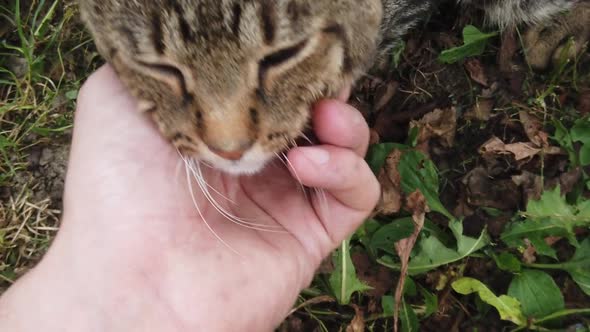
(229, 82)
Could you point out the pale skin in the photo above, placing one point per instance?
(133, 253)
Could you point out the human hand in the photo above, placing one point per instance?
(138, 252)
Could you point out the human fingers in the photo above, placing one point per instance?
(337, 123)
(351, 188)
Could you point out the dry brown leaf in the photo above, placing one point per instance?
(534, 129)
(416, 203)
(531, 184)
(567, 181)
(508, 50)
(292, 324)
(520, 150)
(358, 322)
(440, 123)
(463, 209)
(529, 255)
(389, 178)
(483, 190)
(551, 240)
(385, 94)
(482, 110)
(374, 137)
(476, 71)
(379, 277)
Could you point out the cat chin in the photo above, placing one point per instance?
(241, 167)
(253, 162)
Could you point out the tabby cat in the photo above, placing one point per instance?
(230, 82)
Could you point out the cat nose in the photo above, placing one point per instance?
(231, 154)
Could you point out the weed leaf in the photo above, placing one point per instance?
(508, 307)
(508, 262)
(378, 153)
(474, 44)
(549, 216)
(430, 301)
(537, 293)
(432, 253)
(388, 305)
(419, 173)
(386, 237)
(408, 318)
(344, 281)
(579, 266)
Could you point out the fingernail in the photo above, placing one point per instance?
(317, 156)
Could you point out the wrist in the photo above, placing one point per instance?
(79, 287)
(64, 293)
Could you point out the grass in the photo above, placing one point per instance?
(45, 55)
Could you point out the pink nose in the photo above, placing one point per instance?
(229, 155)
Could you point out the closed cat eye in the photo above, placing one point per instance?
(275, 59)
(279, 57)
(169, 74)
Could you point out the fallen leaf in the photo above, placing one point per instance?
(569, 180)
(374, 137)
(508, 50)
(389, 178)
(385, 94)
(416, 203)
(520, 150)
(440, 124)
(358, 322)
(485, 191)
(482, 110)
(534, 129)
(529, 255)
(531, 185)
(378, 277)
(534, 185)
(292, 324)
(476, 71)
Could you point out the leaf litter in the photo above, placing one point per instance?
(487, 156)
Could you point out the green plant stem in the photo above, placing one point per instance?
(557, 266)
(556, 315)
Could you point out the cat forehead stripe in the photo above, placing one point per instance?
(156, 34)
(268, 20)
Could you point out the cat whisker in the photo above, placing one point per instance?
(192, 193)
(194, 162)
(324, 208)
(288, 164)
(305, 137)
(198, 175)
